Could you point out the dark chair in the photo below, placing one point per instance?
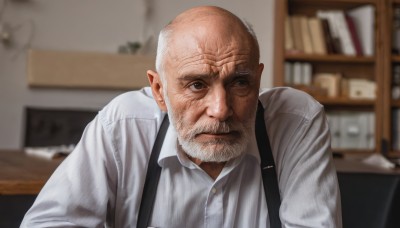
(370, 200)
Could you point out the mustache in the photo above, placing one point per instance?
(214, 128)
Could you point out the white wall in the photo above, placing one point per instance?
(100, 25)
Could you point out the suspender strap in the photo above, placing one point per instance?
(268, 171)
(152, 178)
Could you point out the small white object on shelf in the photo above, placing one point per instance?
(379, 160)
(50, 152)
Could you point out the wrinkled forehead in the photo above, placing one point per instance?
(216, 35)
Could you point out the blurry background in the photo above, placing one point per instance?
(100, 26)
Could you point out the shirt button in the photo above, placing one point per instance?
(214, 190)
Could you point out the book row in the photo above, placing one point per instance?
(352, 130)
(333, 85)
(332, 32)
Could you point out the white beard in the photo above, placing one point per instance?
(214, 150)
(217, 150)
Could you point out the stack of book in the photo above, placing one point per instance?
(352, 130)
(332, 32)
(298, 73)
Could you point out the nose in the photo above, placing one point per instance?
(219, 105)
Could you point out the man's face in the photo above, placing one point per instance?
(212, 92)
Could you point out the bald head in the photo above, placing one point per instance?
(206, 24)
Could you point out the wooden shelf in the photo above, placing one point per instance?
(76, 69)
(394, 154)
(396, 58)
(344, 101)
(395, 103)
(337, 2)
(352, 151)
(329, 58)
(309, 7)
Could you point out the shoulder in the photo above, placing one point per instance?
(288, 101)
(137, 104)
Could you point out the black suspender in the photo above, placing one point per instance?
(152, 178)
(268, 173)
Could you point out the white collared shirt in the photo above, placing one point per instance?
(101, 182)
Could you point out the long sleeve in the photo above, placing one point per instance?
(81, 189)
(101, 182)
(300, 140)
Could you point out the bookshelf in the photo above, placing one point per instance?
(392, 59)
(370, 67)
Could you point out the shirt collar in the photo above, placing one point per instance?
(170, 149)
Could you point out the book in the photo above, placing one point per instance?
(330, 82)
(305, 35)
(297, 73)
(334, 127)
(354, 36)
(332, 47)
(297, 36)
(344, 33)
(333, 30)
(364, 21)
(354, 130)
(288, 73)
(330, 18)
(289, 43)
(370, 130)
(339, 30)
(306, 74)
(360, 88)
(317, 35)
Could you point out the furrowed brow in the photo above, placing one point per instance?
(195, 77)
(243, 72)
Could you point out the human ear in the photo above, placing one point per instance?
(157, 89)
(260, 69)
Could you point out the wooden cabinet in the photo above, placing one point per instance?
(376, 67)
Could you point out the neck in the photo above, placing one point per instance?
(213, 169)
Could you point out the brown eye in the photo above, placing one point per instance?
(241, 83)
(240, 87)
(197, 86)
